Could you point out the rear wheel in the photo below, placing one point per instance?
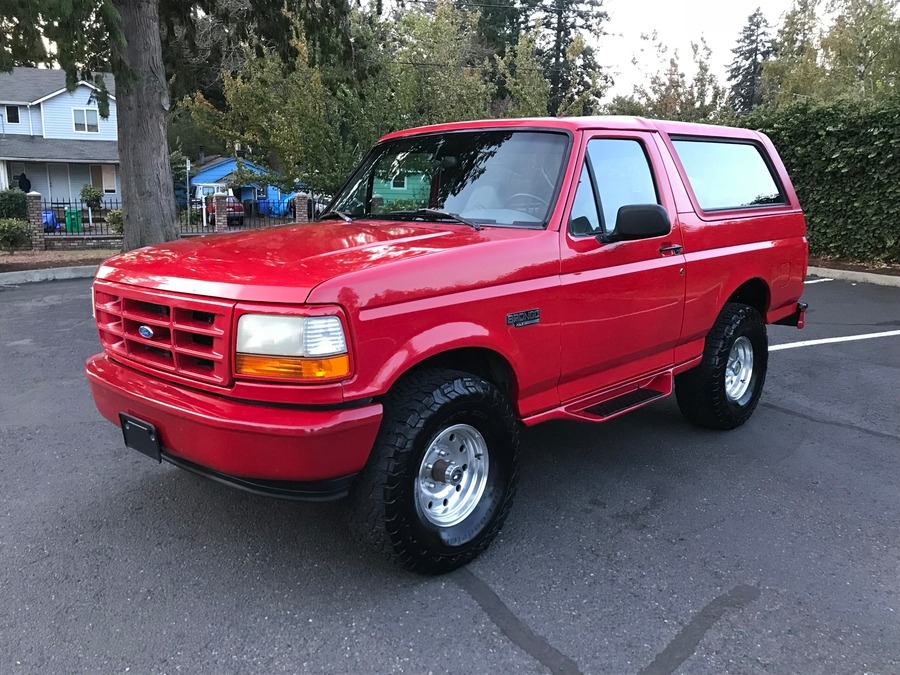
(441, 477)
(722, 392)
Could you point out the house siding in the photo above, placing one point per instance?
(58, 121)
(24, 127)
(36, 121)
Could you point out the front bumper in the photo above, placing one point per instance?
(263, 448)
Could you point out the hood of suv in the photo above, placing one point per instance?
(281, 264)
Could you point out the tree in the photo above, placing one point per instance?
(432, 64)
(753, 48)
(794, 71)
(670, 95)
(523, 79)
(86, 37)
(278, 115)
(562, 23)
(861, 50)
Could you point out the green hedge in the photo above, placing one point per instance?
(12, 204)
(844, 161)
(14, 234)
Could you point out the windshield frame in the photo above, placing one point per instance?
(560, 178)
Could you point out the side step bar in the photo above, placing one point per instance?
(605, 405)
(624, 402)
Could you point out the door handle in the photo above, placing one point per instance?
(674, 249)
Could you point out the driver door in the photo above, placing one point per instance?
(625, 300)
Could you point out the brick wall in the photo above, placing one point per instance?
(81, 242)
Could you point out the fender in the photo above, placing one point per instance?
(529, 390)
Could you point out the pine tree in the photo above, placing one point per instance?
(562, 23)
(754, 47)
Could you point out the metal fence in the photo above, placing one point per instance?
(75, 217)
(249, 215)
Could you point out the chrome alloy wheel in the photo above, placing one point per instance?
(739, 369)
(453, 475)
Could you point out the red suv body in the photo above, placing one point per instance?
(531, 270)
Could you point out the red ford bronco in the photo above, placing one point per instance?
(467, 279)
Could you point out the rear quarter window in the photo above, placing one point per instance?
(728, 174)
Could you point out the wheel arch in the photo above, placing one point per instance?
(753, 292)
(481, 361)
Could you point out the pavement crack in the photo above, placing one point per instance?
(512, 626)
(833, 423)
(684, 644)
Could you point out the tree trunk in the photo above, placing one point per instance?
(148, 199)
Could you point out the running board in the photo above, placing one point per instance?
(603, 406)
(624, 402)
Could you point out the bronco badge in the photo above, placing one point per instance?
(526, 318)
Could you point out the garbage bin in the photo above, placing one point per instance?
(262, 207)
(48, 218)
(73, 220)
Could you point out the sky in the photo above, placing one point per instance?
(677, 23)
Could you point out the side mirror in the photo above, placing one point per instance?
(640, 221)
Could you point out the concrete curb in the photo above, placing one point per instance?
(48, 274)
(88, 271)
(856, 277)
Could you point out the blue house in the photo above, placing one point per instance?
(57, 137)
(218, 170)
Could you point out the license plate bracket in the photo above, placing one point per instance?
(141, 436)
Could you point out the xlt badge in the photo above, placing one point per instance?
(526, 318)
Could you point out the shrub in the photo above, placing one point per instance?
(14, 234)
(116, 221)
(91, 196)
(844, 161)
(13, 204)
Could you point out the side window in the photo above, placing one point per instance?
(727, 175)
(623, 176)
(584, 219)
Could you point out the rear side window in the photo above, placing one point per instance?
(728, 175)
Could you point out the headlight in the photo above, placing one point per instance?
(297, 348)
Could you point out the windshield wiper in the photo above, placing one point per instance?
(339, 214)
(436, 213)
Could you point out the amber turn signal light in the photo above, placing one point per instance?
(293, 367)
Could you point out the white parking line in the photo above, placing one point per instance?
(817, 281)
(826, 341)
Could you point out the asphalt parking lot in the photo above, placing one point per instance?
(639, 546)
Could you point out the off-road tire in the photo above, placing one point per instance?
(701, 393)
(383, 507)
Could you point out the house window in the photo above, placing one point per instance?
(103, 176)
(12, 114)
(86, 120)
(399, 182)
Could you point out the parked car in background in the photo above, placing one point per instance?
(235, 211)
(200, 192)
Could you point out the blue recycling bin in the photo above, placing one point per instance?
(48, 218)
(262, 207)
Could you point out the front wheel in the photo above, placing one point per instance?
(722, 392)
(441, 477)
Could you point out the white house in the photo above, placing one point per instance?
(56, 137)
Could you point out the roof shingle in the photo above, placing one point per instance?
(39, 149)
(26, 85)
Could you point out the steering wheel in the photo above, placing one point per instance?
(527, 203)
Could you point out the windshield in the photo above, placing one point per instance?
(506, 178)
